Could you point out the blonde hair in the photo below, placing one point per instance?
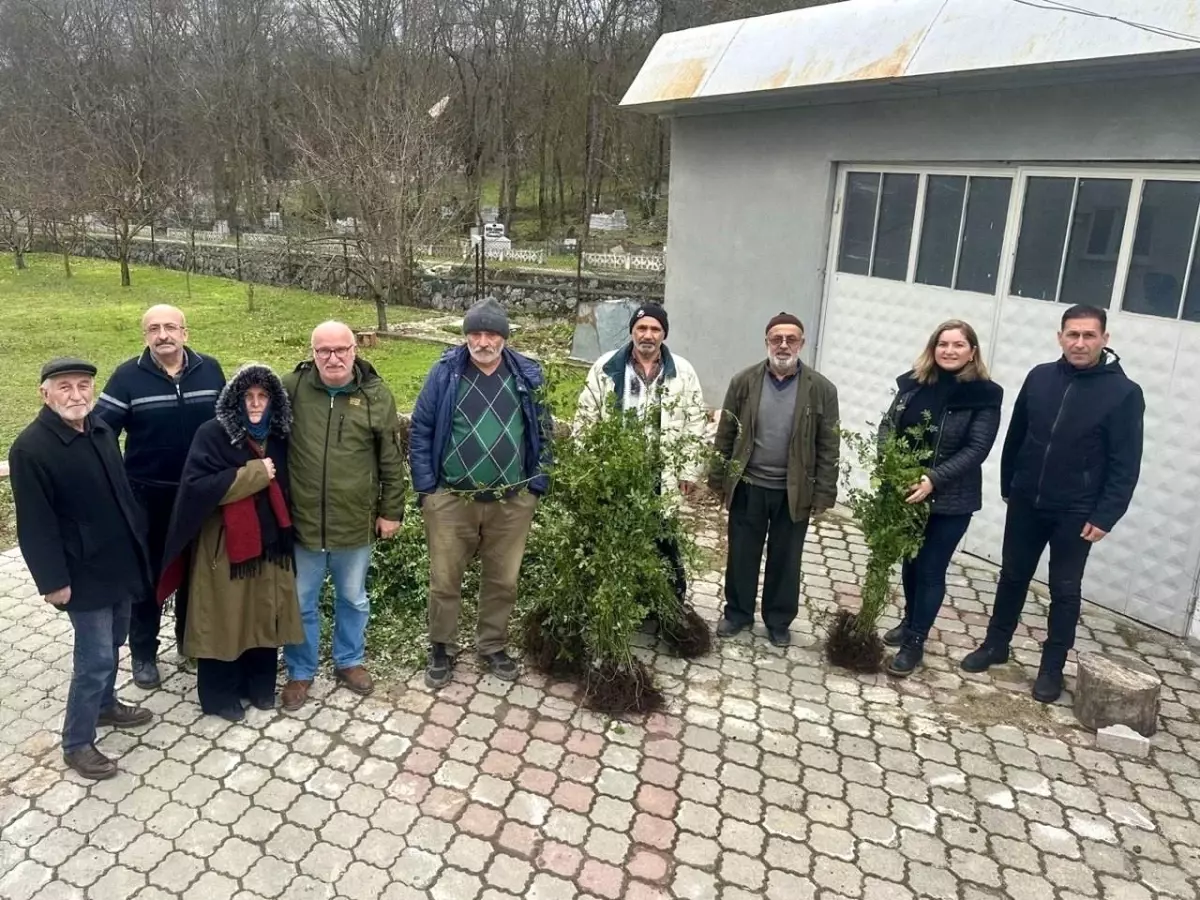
(925, 369)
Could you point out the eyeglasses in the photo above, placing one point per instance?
(782, 340)
(323, 353)
(168, 328)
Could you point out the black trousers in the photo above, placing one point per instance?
(924, 576)
(668, 549)
(146, 617)
(760, 515)
(1027, 532)
(251, 676)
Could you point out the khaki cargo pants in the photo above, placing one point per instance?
(457, 528)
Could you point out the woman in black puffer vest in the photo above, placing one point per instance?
(950, 382)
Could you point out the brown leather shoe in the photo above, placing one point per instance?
(121, 715)
(357, 679)
(295, 694)
(90, 763)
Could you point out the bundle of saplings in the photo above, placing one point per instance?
(893, 531)
(593, 571)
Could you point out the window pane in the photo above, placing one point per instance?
(939, 229)
(1166, 223)
(1096, 230)
(858, 222)
(894, 239)
(1043, 232)
(983, 234)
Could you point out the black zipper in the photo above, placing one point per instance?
(325, 470)
(341, 422)
(937, 445)
(1050, 441)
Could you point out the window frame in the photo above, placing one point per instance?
(1137, 176)
(1021, 173)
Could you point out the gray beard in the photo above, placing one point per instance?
(783, 370)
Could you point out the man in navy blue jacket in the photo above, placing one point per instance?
(480, 435)
(159, 399)
(1070, 464)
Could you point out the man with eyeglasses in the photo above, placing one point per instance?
(347, 474)
(159, 399)
(778, 436)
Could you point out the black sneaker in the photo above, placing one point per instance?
(895, 636)
(437, 672)
(501, 665)
(145, 674)
(120, 715)
(984, 658)
(780, 637)
(728, 628)
(905, 662)
(90, 763)
(1049, 684)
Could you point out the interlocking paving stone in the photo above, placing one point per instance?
(769, 775)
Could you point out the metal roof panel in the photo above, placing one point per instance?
(872, 42)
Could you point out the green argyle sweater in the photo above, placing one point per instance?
(487, 436)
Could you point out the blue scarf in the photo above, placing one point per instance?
(260, 431)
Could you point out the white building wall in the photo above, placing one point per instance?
(752, 193)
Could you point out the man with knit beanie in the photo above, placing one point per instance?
(663, 389)
(778, 438)
(479, 449)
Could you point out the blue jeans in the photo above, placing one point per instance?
(99, 634)
(351, 609)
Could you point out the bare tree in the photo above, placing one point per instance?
(374, 144)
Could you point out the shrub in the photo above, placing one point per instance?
(892, 528)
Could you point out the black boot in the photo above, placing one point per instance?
(437, 672)
(894, 637)
(984, 658)
(1049, 684)
(906, 661)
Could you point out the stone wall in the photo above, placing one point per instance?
(451, 288)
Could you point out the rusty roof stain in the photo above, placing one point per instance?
(891, 41)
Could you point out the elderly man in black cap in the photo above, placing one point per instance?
(663, 389)
(778, 436)
(480, 435)
(83, 538)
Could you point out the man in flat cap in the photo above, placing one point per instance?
(83, 538)
(479, 450)
(663, 389)
(778, 437)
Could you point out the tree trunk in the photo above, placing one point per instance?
(19, 255)
(125, 281)
(66, 257)
(1112, 690)
(381, 313)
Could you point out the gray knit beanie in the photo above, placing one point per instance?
(486, 315)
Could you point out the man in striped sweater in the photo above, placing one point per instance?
(159, 399)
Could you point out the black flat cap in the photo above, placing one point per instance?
(67, 365)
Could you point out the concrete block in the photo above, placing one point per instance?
(1123, 739)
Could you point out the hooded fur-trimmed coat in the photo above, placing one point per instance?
(228, 616)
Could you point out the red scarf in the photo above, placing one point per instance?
(243, 534)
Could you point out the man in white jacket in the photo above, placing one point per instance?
(665, 391)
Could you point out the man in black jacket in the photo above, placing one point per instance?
(159, 399)
(1070, 464)
(83, 538)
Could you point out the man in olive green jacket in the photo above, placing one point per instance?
(347, 473)
(778, 439)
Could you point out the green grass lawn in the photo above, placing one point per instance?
(44, 314)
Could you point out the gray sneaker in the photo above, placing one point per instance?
(145, 674)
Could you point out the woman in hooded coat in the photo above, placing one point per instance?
(231, 537)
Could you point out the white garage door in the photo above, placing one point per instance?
(1005, 249)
